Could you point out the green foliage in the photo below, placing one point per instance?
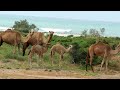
(23, 26)
(70, 36)
(78, 54)
(14, 56)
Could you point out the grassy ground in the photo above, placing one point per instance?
(11, 61)
(7, 56)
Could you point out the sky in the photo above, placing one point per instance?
(113, 16)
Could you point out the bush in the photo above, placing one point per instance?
(78, 55)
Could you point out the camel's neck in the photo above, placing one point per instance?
(113, 52)
(49, 38)
(25, 39)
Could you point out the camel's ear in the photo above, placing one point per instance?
(51, 31)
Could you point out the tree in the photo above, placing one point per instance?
(84, 33)
(94, 32)
(102, 30)
(23, 26)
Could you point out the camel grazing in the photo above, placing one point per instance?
(13, 38)
(37, 38)
(60, 50)
(39, 50)
(103, 50)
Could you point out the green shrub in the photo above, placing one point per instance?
(78, 54)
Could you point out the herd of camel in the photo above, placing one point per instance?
(40, 46)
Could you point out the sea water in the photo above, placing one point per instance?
(76, 26)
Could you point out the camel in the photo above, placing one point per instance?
(37, 38)
(14, 38)
(39, 50)
(103, 50)
(61, 50)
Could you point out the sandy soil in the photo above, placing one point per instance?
(38, 74)
(58, 74)
(48, 74)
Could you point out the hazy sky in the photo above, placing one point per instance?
(84, 15)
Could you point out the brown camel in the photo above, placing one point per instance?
(61, 50)
(103, 50)
(39, 50)
(14, 38)
(37, 38)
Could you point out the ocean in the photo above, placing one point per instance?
(76, 26)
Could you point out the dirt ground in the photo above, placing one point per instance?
(37, 74)
(48, 74)
(58, 74)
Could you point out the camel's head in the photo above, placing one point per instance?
(31, 33)
(9, 29)
(70, 46)
(51, 32)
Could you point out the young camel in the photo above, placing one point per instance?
(14, 38)
(39, 50)
(103, 50)
(61, 50)
(37, 38)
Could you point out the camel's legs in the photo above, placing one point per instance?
(91, 58)
(104, 58)
(42, 61)
(30, 59)
(106, 65)
(102, 63)
(25, 45)
(38, 57)
(51, 57)
(86, 63)
(14, 49)
(19, 48)
(61, 58)
(107, 60)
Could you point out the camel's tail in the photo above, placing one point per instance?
(87, 59)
